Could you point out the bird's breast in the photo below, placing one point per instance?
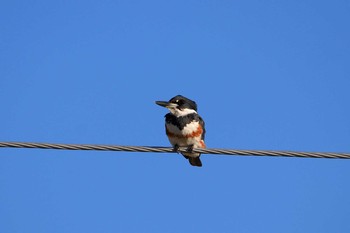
(193, 129)
(191, 134)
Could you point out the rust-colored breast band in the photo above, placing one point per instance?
(194, 134)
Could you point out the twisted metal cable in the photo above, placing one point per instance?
(158, 149)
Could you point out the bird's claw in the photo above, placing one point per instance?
(176, 148)
(190, 149)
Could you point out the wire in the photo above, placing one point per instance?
(158, 149)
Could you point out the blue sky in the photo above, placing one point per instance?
(268, 75)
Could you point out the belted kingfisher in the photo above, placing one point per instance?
(184, 127)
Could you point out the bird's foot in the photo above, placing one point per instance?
(189, 149)
(176, 148)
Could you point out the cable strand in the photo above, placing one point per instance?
(158, 149)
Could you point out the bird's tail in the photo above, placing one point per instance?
(195, 161)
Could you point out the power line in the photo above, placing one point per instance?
(157, 149)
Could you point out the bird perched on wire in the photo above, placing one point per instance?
(184, 127)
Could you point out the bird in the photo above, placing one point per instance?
(184, 127)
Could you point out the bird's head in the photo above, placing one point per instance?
(179, 105)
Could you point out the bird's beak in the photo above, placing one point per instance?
(166, 104)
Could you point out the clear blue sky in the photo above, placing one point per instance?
(266, 75)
